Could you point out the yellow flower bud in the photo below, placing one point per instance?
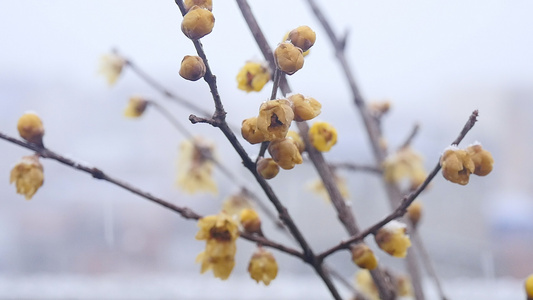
(253, 77)
(267, 167)
(295, 136)
(305, 108)
(365, 284)
(111, 66)
(31, 128)
(289, 58)
(263, 266)
(457, 165)
(323, 136)
(250, 221)
(414, 212)
(363, 257)
(197, 23)
(392, 239)
(482, 159)
(28, 176)
(192, 68)
(275, 118)
(528, 284)
(285, 153)
(250, 132)
(302, 37)
(136, 107)
(207, 4)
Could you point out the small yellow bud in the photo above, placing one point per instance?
(136, 107)
(250, 132)
(305, 108)
(414, 212)
(285, 153)
(323, 136)
(379, 108)
(482, 159)
(295, 136)
(392, 239)
(275, 118)
(197, 23)
(250, 221)
(207, 4)
(192, 68)
(528, 284)
(289, 58)
(28, 176)
(253, 77)
(263, 266)
(268, 168)
(31, 128)
(111, 66)
(302, 37)
(363, 257)
(457, 165)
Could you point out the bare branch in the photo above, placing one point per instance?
(405, 202)
(411, 136)
(355, 167)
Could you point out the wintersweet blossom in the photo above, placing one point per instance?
(136, 107)
(263, 266)
(482, 159)
(253, 77)
(195, 166)
(220, 232)
(365, 283)
(111, 66)
(323, 136)
(392, 238)
(405, 164)
(275, 118)
(457, 165)
(364, 257)
(28, 176)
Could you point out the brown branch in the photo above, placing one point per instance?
(185, 212)
(405, 202)
(218, 120)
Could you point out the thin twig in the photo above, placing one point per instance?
(411, 136)
(275, 86)
(159, 87)
(405, 202)
(185, 212)
(424, 255)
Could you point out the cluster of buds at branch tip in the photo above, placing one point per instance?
(458, 164)
(289, 55)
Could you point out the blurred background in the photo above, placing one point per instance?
(435, 61)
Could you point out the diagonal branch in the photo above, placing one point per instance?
(405, 202)
(185, 212)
